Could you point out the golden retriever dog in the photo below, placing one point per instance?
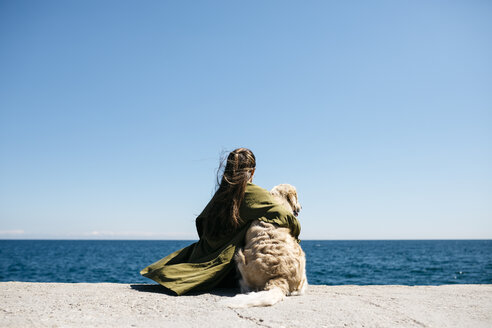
(272, 264)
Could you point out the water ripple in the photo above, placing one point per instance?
(328, 262)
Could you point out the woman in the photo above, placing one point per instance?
(221, 229)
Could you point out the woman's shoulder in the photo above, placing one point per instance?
(258, 197)
(255, 193)
(251, 187)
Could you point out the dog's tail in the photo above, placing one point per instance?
(262, 298)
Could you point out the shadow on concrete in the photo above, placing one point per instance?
(146, 288)
(153, 289)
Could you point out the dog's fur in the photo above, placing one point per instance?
(272, 263)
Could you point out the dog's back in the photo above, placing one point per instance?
(270, 258)
(272, 264)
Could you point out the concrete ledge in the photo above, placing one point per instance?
(121, 305)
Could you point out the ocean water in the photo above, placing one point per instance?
(420, 262)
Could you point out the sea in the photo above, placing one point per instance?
(374, 262)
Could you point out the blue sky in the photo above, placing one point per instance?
(114, 114)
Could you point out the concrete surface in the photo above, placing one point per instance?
(120, 305)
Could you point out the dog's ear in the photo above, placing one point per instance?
(292, 198)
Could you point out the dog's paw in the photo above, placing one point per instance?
(235, 302)
(301, 291)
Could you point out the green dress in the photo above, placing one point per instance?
(205, 264)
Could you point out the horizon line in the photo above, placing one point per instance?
(306, 239)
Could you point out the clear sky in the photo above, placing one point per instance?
(114, 114)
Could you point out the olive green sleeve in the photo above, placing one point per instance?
(259, 204)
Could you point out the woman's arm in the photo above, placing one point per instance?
(259, 204)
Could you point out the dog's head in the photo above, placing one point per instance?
(286, 194)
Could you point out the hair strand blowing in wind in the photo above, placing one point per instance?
(223, 217)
